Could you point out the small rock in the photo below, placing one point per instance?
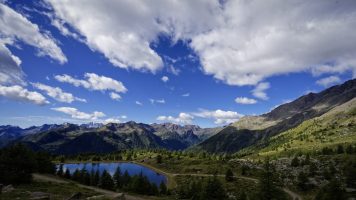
(350, 189)
(120, 196)
(8, 188)
(40, 196)
(96, 197)
(74, 196)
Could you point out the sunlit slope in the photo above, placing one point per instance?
(338, 126)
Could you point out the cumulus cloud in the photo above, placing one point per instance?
(10, 69)
(138, 103)
(93, 82)
(260, 90)
(19, 93)
(165, 78)
(57, 93)
(182, 118)
(115, 96)
(327, 81)
(245, 100)
(15, 26)
(239, 42)
(220, 116)
(76, 114)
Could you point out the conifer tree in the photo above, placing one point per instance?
(229, 176)
(106, 181)
(213, 190)
(162, 188)
(117, 177)
(267, 188)
(67, 174)
(60, 170)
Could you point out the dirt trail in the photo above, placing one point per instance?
(112, 194)
(108, 193)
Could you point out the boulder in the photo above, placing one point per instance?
(8, 188)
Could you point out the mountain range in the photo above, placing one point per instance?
(95, 137)
(315, 112)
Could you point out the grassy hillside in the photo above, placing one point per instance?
(336, 127)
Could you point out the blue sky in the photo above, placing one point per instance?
(207, 63)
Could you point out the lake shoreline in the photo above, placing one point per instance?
(169, 179)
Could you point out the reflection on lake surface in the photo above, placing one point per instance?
(132, 169)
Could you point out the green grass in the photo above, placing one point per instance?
(57, 191)
(311, 136)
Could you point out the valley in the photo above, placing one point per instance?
(304, 149)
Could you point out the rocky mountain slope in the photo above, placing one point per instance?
(255, 129)
(71, 138)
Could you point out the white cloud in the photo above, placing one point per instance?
(186, 95)
(183, 118)
(76, 114)
(165, 78)
(161, 101)
(115, 96)
(57, 93)
(111, 120)
(10, 69)
(173, 70)
(245, 100)
(331, 80)
(138, 103)
(239, 42)
(260, 90)
(19, 93)
(220, 116)
(15, 27)
(94, 82)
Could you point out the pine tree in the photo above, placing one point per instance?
(60, 170)
(302, 181)
(295, 162)
(349, 149)
(96, 178)
(67, 174)
(213, 189)
(125, 179)
(340, 149)
(106, 181)
(332, 191)
(117, 177)
(267, 188)
(76, 175)
(229, 176)
(162, 188)
(159, 159)
(242, 196)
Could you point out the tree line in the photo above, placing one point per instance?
(119, 181)
(17, 163)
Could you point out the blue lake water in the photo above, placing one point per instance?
(132, 169)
